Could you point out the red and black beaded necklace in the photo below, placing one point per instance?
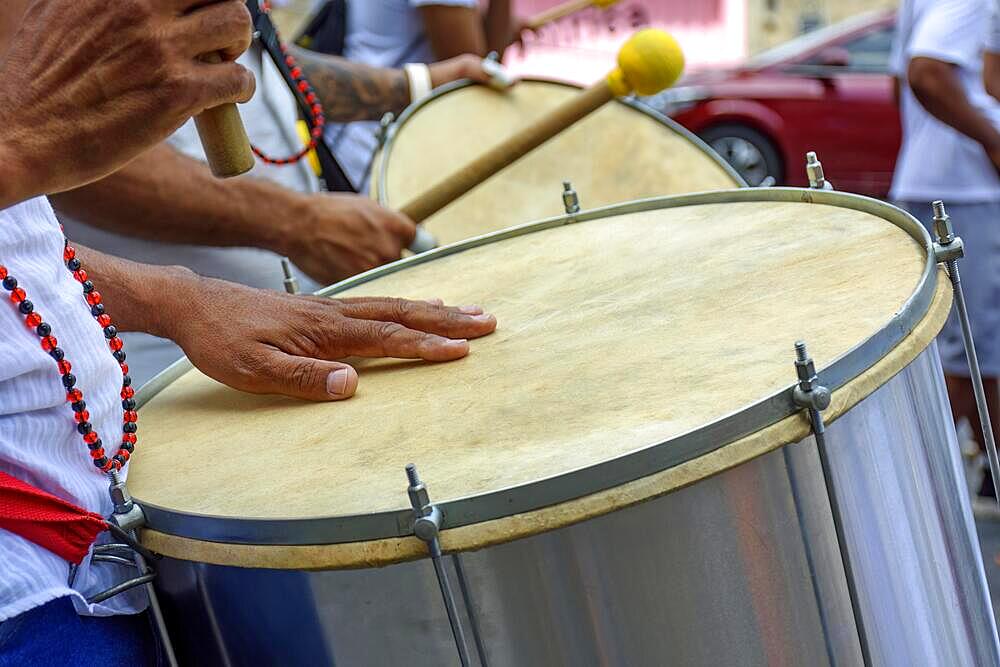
(312, 105)
(74, 395)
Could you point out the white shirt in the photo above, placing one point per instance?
(381, 33)
(936, 161)
(270, 122)
(39, 443)
(993, 39)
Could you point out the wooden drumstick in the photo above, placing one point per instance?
(648, 62)
(565, 9)
(223, 137)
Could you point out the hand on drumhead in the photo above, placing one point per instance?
(333, 237)
(267, 342)
(465, 66)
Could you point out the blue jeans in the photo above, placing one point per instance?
(979, 226)
(54, 635)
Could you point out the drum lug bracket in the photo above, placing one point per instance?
(427, 519)
(809, 393)
(291, 282)
(814, 172)
(814, 397)
(948, 249)
(571, 201)
(384, 126)
(123, 523)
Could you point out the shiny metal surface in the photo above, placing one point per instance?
(738, 569)
(948, 249)
(581, 481)
(918, 569)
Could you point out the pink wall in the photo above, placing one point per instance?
(582, 47)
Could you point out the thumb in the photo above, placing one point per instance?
(302, 377)
(496, 75)
(403, 228)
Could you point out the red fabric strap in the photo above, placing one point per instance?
(50, 522)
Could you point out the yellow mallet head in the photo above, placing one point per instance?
(648, 62)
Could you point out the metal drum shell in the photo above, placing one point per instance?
(741, 568)
(752, 589)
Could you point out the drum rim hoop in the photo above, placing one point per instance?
(395, 127)
(580, 482)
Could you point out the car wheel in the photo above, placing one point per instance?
(749, 152)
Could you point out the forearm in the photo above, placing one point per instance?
(165, 196)
(499, 26)
(140, 297)
(351, 91)
(453, 31)
(939, 90)
(991, 73)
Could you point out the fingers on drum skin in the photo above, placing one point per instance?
(461, 322)
(302, 377)
(342, 382)
(365, 338)
(370, 305)
(436, 301)
(222, 27)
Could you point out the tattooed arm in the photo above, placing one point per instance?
(352, 91)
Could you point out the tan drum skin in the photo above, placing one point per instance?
(614, 155)
(615, 333)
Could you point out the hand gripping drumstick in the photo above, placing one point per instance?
(223, 137)
(648, 62)
(565, 9)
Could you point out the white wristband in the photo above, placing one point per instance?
(419, 76)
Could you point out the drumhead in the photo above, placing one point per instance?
(622, 152)
(641, 347)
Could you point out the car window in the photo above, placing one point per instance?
(793, 49)
(867, 53)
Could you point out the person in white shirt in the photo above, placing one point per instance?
(397, 33)
(149, 80)
(991, 59)
(951, 152)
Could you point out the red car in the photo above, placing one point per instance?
(828, 91)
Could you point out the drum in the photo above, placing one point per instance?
(622, 152)
(625, 472)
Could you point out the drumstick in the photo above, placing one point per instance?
(223, 137)
(648, 62)
(565, 9)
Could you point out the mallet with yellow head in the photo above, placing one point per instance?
(648, 62)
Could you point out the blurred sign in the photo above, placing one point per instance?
(582, 47)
